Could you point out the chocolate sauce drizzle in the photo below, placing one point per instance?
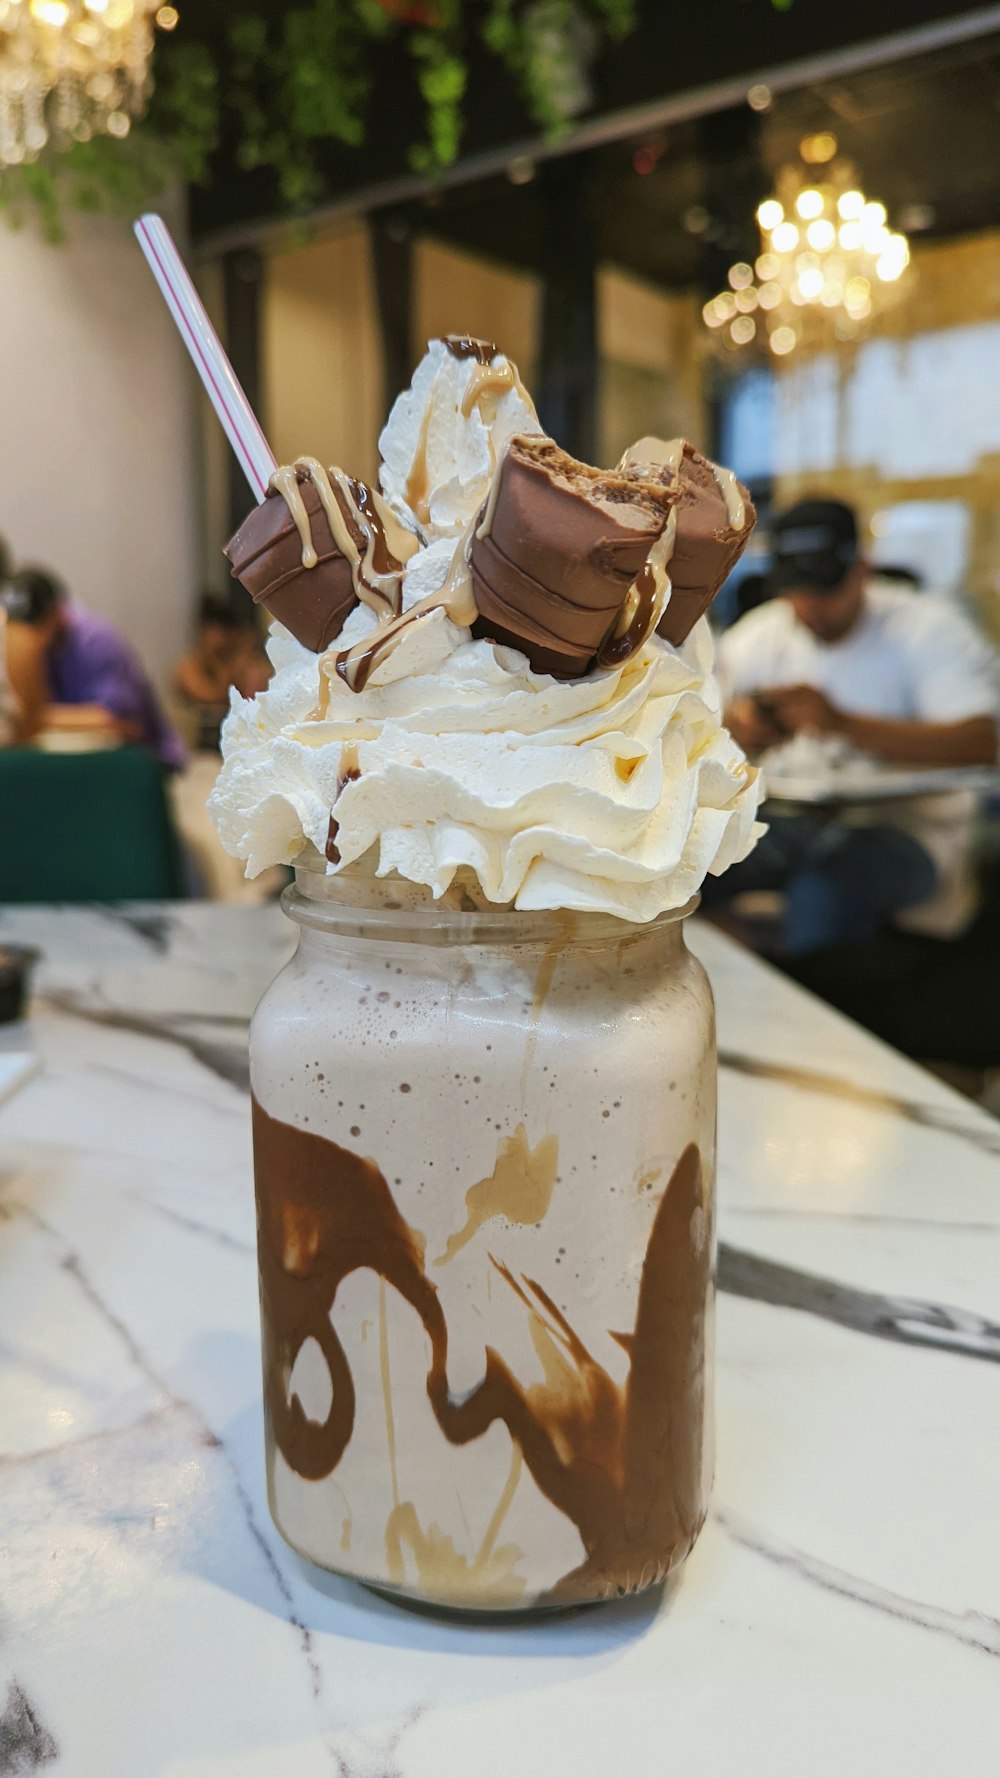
(463, 345)
(621, 1461)
(349, 773)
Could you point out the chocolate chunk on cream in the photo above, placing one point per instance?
(556, 551)
(575, 566)
(317, 545)
(714, 518)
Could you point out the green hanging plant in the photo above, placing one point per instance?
(176, 140)
(285, 81)
(305, 77)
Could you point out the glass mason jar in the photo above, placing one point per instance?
(484, 1153)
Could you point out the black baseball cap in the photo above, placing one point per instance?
(812, 546)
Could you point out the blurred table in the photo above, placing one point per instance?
(841, 1612)
(869, 784)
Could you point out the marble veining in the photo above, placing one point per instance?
(841, 1611)
(972, 1628)
(935, 1117)
(912, 1322)
(25, 1744)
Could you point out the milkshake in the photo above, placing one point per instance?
(484, 1087)
(485, 1218)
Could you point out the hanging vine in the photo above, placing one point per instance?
(286, 81)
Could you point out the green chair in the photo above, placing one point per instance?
(86, 827)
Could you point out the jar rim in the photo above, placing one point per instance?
(312, 902)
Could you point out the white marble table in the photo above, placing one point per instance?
(841, 1613)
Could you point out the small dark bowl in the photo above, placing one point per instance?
(16, 964)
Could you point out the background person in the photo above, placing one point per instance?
(905, 679)
(10, 710)
(72, 670)
(227, 652)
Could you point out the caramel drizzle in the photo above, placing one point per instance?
(668, 453)
(729, 488)
(285, 481)
(490, 381)
(656, 450)
(355, 665)
(647, 597)
(377, 572)
(417, 493)
(645, 601)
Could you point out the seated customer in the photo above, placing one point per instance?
(227, 652)
(72, 670)
(905, 679)
(10, 709)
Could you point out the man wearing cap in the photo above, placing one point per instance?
(900, 676)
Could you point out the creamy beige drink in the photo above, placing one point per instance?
(484, 1086)
(485, 1225)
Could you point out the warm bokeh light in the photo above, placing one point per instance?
(72, 70)
(827, 258)
(850, 205)
(818, 149)
(785, 237)
(821, 234)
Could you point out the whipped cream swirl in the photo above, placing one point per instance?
(616, 793)
(446, 434)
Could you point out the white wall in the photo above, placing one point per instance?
(97, 469)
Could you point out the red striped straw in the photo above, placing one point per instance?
(241, 425)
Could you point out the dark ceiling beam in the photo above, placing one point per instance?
(616, 126)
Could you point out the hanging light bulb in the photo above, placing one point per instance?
(73, 69)
(828, 260)
(785, 237)
(821, 234)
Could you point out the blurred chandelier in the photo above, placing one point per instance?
(73, 69)
(828, 261)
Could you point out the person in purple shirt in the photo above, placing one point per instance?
(73, 670)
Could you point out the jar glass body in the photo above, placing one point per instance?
(484, 1156)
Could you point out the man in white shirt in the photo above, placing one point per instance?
(899, 675)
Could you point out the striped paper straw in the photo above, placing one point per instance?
(238, 418)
